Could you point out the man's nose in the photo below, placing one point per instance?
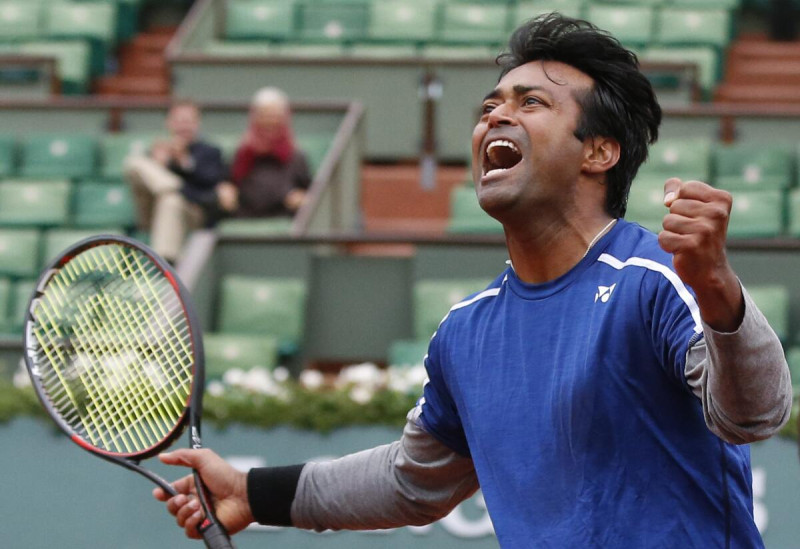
(501, 115)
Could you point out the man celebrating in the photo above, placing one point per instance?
(601, 389)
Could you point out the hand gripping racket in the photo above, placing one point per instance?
(115, 354)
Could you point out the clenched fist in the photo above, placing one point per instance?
(695, 231)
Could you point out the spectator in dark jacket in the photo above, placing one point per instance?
(176, 183)
(270, 174)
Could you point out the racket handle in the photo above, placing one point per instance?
(215, 537)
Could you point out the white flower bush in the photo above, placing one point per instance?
(360, 381)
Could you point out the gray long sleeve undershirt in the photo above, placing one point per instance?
(741, 378)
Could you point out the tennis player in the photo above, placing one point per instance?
(602, 390)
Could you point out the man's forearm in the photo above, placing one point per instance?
(413, 481)
(742, 379)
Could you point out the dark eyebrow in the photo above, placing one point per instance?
(518, 89)
(494, 94)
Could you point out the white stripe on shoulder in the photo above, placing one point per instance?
(491, 292)
(668, 273)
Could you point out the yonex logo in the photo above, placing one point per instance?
(604, 293)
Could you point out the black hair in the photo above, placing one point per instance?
(621, 104)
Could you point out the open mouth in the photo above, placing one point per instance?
(500, 155)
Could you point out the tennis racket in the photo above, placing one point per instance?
(115, 354)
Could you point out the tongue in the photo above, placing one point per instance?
(503, 157)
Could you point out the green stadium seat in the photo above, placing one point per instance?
(5, 305)
(407, 352)
(687, 27)
(466, 215)
(34, 203)
(757, 214)
(705, 58)
(473, 23)
(103, 205)
(89, 19)
(684, 158)
(19, 252)
(21, 292)
(115, 148)
(95, 22)
(58, 156)
(753, 166)
(263, 306)
(773, 301)
(793, 358)
(529, 9)
(631, 25)
(646, 203)
(56, 241)
(228, 143)
(73, 62)
(434, 298)
(19, 20)
(259, 19)
(409, 21)
(333, 22)
(225, 352)
(8, 155)
(525, 10)
(315, 147)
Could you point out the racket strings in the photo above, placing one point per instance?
(115, 349)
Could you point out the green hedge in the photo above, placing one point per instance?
(320, 411)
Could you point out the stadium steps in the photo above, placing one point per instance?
(761, 71)
(143, 67)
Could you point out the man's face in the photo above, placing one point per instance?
(183, 122)
(524, 150)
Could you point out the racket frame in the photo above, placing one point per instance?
(194, 406)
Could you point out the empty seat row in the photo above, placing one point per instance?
(60, 203)
(102, 157)
(755, 214)
(463, 22)
(739, 166)
(23, 252)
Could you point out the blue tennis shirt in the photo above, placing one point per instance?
(571, 399)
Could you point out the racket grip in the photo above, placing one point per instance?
(215, 537)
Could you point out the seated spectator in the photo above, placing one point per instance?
(175, 184)
(270, 174)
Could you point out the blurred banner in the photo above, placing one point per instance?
(53, 494)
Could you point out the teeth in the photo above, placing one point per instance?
(496, 170)
(502, 143)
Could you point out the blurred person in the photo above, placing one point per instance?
(602, 390)
(270, 174)
(176, 183)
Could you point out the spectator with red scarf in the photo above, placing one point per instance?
(270, 174)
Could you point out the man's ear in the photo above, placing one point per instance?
(601, 154)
